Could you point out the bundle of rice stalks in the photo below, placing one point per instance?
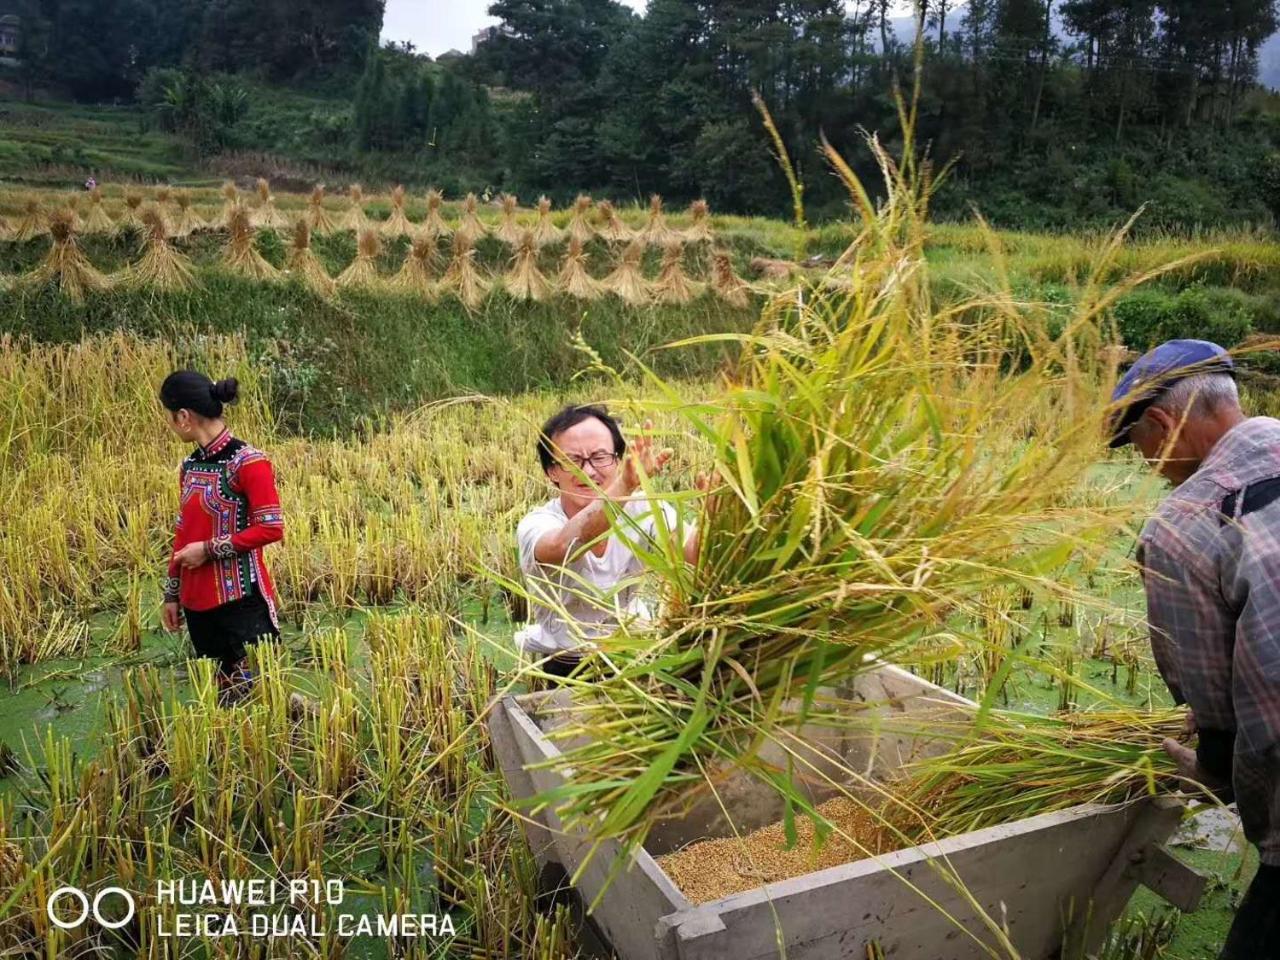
(6, 229)
(32, 224)
(673, 284)
(1021, 765)
(66, 264)
(318, 218)
(627, 279)
(655, 231)
(509, 230)
(470, 226)
(545, 232)
(265, 215)
(397, 225)
(161, 266)
(462, 277)
(699, 229)
(98, 220)
(610, 226)
(868, 491)
(434, 226)
(73, 208)
(189, 219)
(417, 273)
(356, 220)
(363, 270)
(525, 281)
(240, 255)
(579, 226)
(230, 204)
(574, 278)
(725, 282)
(303, 263)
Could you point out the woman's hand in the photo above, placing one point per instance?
(192, 555)
(171, 616)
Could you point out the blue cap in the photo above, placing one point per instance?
(1155, 372)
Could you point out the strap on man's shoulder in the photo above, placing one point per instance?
(1250, 499)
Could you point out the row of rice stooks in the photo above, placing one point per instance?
(587, 220)
(424, 271)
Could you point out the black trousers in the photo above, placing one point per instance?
(224, 632)
(1255, 932)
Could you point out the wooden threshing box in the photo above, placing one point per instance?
(1059, 876)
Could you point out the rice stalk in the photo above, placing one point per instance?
(231, 202)
(545, 232)
(579, 225)
(363, 270)
(610, 226)
(98, 220)
(434, 226)
(356, 220)
(32, 223)
(417, 274)
(265, 215)
(699, 229)
(65, 264)
(470, 226)
(189, 219)
(462, 278)
(655, 231)
(509, 230)
(240, 254)
(303, 263)
(726, 283)
(525, 281)
(574, 279)
(318, 218)
(397, 224)
(627, 281)
(673, 284)
(161, 266)
(73, 210)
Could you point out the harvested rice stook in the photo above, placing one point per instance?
(318, 217)
(356, 219)
(610, 226)
(627, 280)
(711, 869)
(230, 204)
(579, 226)
(65, 264)
(655, 232)
(471, 226)
(266, 216)
(544, 231)
(305, 265)
(725, 283)
(509, 230)
(32, 224)
(462, 278)
(525, 281)
(161, 267)
(416, 274)
(363, 270)
(73, 208)
(699, 229)
(397, 224)
(189, 220)
(673, 284)
(97, 220)
(240, 255)
(434, 226)
(574, 279)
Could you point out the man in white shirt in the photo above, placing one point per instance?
(584, 580)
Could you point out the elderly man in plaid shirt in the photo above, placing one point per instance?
(1210, 561)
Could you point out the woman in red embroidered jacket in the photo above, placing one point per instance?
(229, 511)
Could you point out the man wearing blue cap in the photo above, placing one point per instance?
(1210, 559)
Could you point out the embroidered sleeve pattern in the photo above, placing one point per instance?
(220, 548)
(252, 475)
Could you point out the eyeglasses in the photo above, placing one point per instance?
(600, 459)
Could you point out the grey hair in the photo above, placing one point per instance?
(1205, 394)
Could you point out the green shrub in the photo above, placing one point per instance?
(1148, 317)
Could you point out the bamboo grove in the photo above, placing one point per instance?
(585, 253)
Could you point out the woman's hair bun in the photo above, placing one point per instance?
(225, 391)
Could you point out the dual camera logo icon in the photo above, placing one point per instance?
(75, 893)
